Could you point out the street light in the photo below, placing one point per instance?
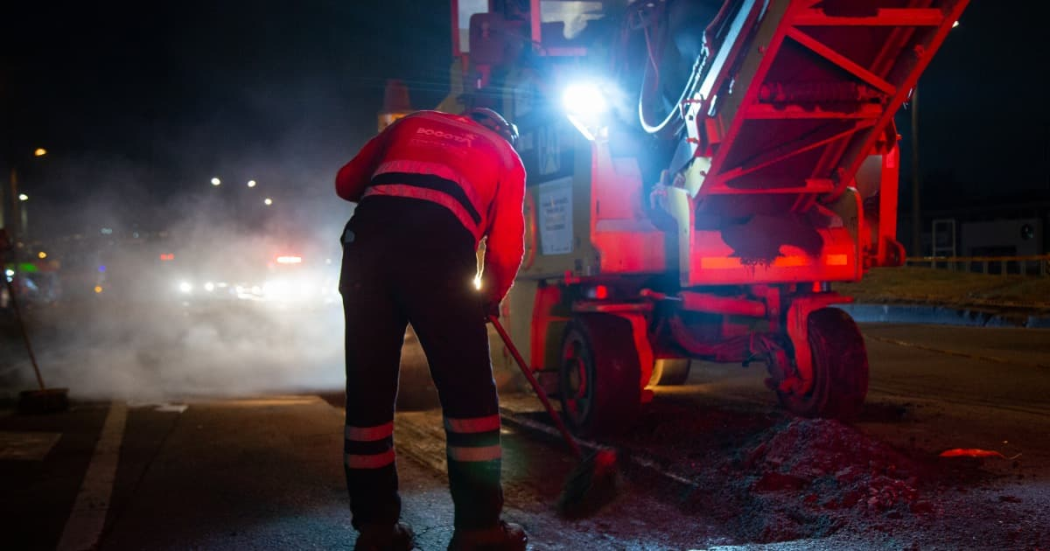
(267, 201)
(16, 198)
(251, 183)
(916, 212)
(216, 181)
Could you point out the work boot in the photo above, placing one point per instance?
(385, 537)
(505, 536)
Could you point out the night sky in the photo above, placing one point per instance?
(149, 100)
(142, 103)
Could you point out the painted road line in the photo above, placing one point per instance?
(88, 516)
(27, 446)
(171, 408)
(956, 353)
(163, 407)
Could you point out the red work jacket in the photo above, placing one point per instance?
(458, 164)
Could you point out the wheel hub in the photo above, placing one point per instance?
(576, 378)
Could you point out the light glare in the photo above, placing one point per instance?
(585, 100)
(216, 181)
(251, 183)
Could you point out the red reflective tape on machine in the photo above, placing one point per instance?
(369, 434)
(836, 260)
(376, 461)
(472, 425)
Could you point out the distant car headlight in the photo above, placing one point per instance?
(276, 289)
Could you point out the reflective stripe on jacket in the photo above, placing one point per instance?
(458, 164)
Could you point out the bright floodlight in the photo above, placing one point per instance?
(251, 183)
(584, 100)
(23, 197)
(267, 201)
(215, 181)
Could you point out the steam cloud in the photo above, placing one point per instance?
(141, 339)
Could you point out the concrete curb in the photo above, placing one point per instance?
(939, 315)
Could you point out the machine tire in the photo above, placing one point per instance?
(840, 368)
(599, 374)
(670, 372)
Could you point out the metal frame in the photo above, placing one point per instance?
(790, 104)
(942, 223)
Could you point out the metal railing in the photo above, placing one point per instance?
(1037, 265)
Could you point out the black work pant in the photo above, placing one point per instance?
(411, 261)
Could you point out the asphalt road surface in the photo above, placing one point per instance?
(243, 452)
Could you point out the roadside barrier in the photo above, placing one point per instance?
(1037, 265)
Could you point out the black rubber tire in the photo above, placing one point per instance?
(598, 380)
(670, 372)
(840, 368)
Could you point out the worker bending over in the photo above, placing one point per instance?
(429, 188)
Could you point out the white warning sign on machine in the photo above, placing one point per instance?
(555, 216)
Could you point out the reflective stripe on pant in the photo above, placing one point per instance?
(474, 463)
(407, 260)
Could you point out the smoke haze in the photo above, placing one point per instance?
(143, 337)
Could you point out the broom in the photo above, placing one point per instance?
(596, 480)
(44, 400)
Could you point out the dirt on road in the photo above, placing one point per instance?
(771, 479)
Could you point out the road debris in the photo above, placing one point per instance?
(973, 452)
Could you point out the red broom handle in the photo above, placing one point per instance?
(536, 386)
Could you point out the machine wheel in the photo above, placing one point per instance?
(840, 368)
(598, 380)
(670, 372)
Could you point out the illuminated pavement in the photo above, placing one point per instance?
(264, 473)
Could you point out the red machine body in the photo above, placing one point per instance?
(744, 160)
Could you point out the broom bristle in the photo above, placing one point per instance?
(591, 486)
